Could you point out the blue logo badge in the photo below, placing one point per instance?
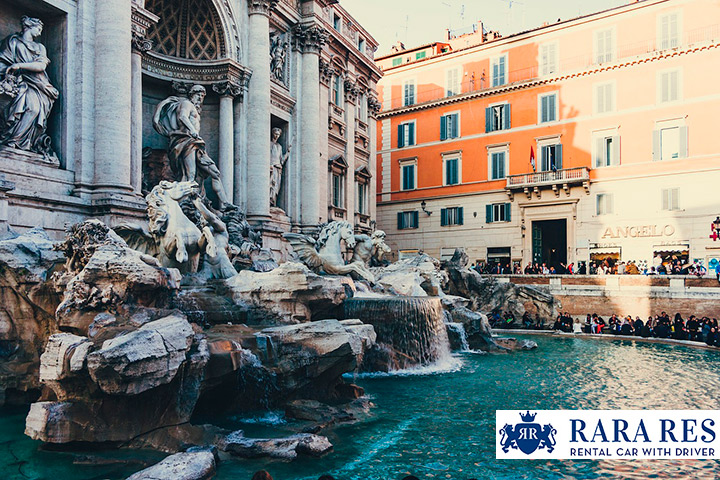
(527, 436)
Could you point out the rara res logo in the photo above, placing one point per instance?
(527, 436)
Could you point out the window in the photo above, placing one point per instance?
(362, 189)
(497, 212)
(451, 169)
(449, 126)
(420, 55)
(548, 108)
(668, 31)
(338, 180)
(406, 134)
(409, 93)
(361, 111)
(497, 117)
(337, 22)
(668, 86)
(497, 165)
(337, 90)
(604, 203)
(452, 82)
(670, 142)
(550, 157)
(361, 45)
(669, 199)
(408, 175)
(407, 220)
(607, 150)
(397, 61)
(604, 46)
(451, 216)
(499, 71)
(548, 59)
(605, 98)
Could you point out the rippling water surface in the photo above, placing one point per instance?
(443, 425)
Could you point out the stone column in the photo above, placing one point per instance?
(141, 20)
(113, 96)
(226, 154)
(258, 109)
(5, 186)
(310, 40)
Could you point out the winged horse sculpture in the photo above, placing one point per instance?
(325, 254)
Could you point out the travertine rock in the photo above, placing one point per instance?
(181, 466)
(286, 448)
(475, 324)
(27, 311)
(418, 276)
(289, 294)
(141, 360)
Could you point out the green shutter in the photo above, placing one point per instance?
(488, 213)
(459, 215)
(615, 150)
(443, 217)
(507, 212)
(400, 137)
(551, 108)
(400, 221)
(411, 135)
(443, 127)
(415, 219)
(488, 119)
(455, 125)
(558, 156)
(507, 122)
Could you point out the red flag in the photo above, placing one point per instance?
(532, 158)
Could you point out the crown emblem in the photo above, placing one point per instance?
(528, 417)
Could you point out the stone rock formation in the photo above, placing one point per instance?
(27, 311)
(488, 295)
(475, 325)
(288, 294)
(286, 448)
(181, 466)
(418, 276)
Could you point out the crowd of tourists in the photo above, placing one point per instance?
(693, 328)
(608, 266)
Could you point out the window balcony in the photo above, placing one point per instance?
(557, 180)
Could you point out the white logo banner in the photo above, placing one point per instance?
(606, 434)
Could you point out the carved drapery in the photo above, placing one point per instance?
(310, 38)
(279, 57)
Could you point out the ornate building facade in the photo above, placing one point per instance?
(302, 66)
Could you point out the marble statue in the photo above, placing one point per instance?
(23, 77)
(325, 254)
(178, 118)
(278, 51)
(277, 162)
(370, 249)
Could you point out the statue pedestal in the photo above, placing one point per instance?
(272, 231)
(31, 157)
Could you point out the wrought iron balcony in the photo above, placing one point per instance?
(558, 179)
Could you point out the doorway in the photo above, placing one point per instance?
(549, 242)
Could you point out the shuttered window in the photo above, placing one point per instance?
(409, 93)
(548, 108)
(497, 118)
(499, 71)
(451, 216)
(449, 126)
(605, 98)
(551, 157)
(669, 199)
(407, 220)
(548, 59)
(668, 31)
(452, 171)
(497, 212)
(452, 82)
(607, 150)
(407, 174)
(670, 143)
(604, 203)
(604, 46)
(669, 86)
(406, 134)
(497, 165)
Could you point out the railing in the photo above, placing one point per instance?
(568, 175)
(481, 82)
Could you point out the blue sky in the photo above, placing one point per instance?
(415, 22)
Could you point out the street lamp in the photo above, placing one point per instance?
(423, 205)
(715, 228)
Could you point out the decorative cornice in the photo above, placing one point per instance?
(141, 21)
(352, 90)
(261, 7)
(141, 44)
(227, 89)
(310, 38)
(374, 105)
(195, 72)
(326, 72)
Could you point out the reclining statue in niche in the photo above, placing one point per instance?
(178, 119)
(23, 77)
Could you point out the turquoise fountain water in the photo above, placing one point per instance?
(443, 425)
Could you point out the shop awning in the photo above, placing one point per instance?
(604, 250)
(679, 247)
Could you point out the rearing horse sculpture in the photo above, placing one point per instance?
(325, 254)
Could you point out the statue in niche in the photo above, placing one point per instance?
(277, 162)
(278, 51)
(178, 119)
(23, 77)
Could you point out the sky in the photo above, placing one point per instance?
(416, 22)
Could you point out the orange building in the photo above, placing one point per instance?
(586, 139)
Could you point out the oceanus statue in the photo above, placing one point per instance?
(325, 253)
